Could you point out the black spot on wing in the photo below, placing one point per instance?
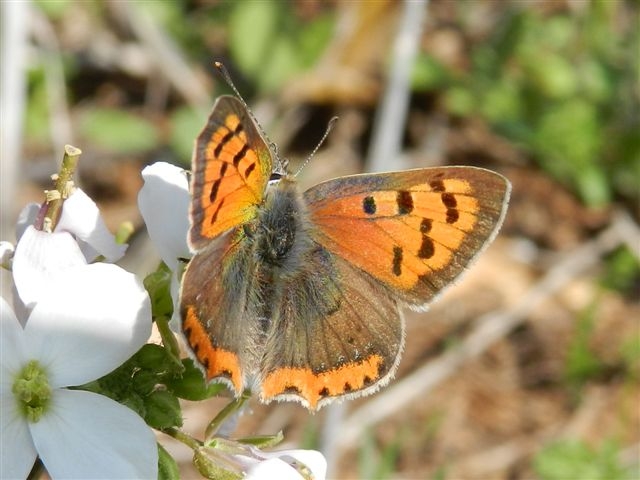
(237, 158)
(223, 141)
(427, 249)
(369, 205)
(249, 169)
(404, 201)
(397, 261)
(449, 200)
(437, 186)
(214, 190)
(426, 225)
(452, 215)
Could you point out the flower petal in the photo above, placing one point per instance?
(18, 452)
(312, 459)
(164, 204)
(81, 217)
(28, 216)
(86, 435)
(273, 468)
(38, 257)
(283, 464)
(175, 322)
(11, 347)
(90, 321)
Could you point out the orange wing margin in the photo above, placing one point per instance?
(230, 170)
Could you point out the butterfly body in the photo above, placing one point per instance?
(298, 294)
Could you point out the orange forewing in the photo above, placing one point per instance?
(232, 165)
(414, 231)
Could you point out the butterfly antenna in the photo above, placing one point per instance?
(330, 126)
(227, 78)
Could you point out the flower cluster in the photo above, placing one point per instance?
(71, 322)
(80, 389)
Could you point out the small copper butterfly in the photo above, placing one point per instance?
(298, 294)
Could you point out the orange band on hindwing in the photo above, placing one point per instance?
(313, 387)
(217, 362)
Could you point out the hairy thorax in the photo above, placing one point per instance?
(280, 234)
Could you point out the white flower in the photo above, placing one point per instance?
(84, 323)
(230, 457)
(81, 218)
(163, 201)
(287, 465)
(79, 237)
(164, 204)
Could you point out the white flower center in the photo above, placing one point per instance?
(32, 391)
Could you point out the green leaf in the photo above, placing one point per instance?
(185, 125)
(210, 468)
(167, 466)
(622, 271)
(460, 101)
(574, 459)
(630, 351)
(581, 363)
(263, 441)
(376, 462)
(118, 131)
(163, 410)
(252, 27)
(313, 39)
(593, 185)
(152, 357)
(37, 112)
(158, 285)
(569, 140)
(191, 385)
(283, 62)
(553, 75)
(428, 73)
(54, 10)
(502, 102)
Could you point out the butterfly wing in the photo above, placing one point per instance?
(213, 303)
(413, 231)
(231, 168)
(343, 333)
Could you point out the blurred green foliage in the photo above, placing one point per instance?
(376, 461)
(36, 122)
(622, 272)
(186, 124)
(118, 131)
(562, 86)
(270, 45)
(575, 459)
(267, 41)
(581, 363)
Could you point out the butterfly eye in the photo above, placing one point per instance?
(275, 176)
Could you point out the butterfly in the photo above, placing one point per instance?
(298, 294)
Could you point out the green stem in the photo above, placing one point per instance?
(231, 408)
(179, 435)
(168, 338)
(63, 188)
